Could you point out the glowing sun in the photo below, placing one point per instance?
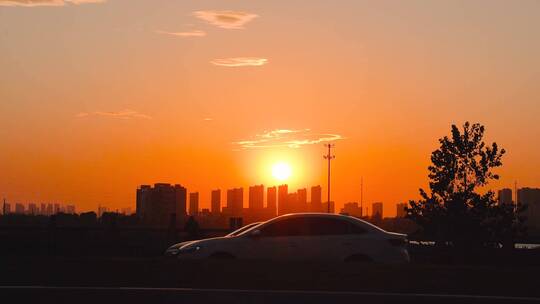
(281, 171)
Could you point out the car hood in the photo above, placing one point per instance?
(179, 245)
(209, 241)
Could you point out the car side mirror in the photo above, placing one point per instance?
(255, 233)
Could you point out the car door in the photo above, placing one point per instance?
(278, 240)
(329, 238)
(362, 241)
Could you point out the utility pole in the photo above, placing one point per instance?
(362, 196)
(329, 157)
(516, 196)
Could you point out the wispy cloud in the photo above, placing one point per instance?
(226, 19)
(285, 138)
(240, 61)
(208, 119)
(187, 34)
(31, 3)
(124, 114)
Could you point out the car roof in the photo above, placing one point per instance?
(325, 215)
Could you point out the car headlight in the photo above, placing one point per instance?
(189, 249)
(172, 251)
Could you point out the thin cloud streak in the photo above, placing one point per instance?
(226, 19)
(194, 33)
(285, 138)
(240, 61)
(34, 3)
(124, 114)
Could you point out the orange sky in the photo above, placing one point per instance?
(97, 98)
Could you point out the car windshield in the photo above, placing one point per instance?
(243, 229)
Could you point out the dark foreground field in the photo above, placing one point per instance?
(113, 265)
(499, 281)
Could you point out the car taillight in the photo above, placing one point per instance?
(398, 242)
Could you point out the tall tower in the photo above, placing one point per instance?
(235, 201)
(194, 203)
(329, 157)
(283, 191)
(362, 197)
(216, 201)
(301, 202)
(316, 199)
(256, 198)
(377, 210)
(271, 201)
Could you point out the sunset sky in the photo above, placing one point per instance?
(98, 97)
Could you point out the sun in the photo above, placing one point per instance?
(281, 171)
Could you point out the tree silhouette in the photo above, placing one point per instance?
(454, 212)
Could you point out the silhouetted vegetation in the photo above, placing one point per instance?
(455, 212)
(84, 235)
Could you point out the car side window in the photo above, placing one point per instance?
(327, 226)
(357, 229)
(287, 227)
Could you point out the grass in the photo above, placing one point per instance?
(266, 275)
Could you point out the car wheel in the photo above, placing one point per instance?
(222, 256)
(359, 258)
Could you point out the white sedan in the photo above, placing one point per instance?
(306, 236)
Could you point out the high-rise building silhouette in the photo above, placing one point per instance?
(155, 205)
(194, 203)
(332, 207)
(316, 199)
(301, 203)
(6, 208)
(235, 201)
(400, 210)
(216, 201)
(352, 209)
(256, 198)
(271, 201)
(124, 211)
(291, 205)
(70, 209)
(43, 209)
(531, 198)
(101, 210)
(19, 208)
(230, 198)
(377, 210)
(32, 209)
(283, 191)
(504, 197)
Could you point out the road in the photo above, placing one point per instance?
(135, 295)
